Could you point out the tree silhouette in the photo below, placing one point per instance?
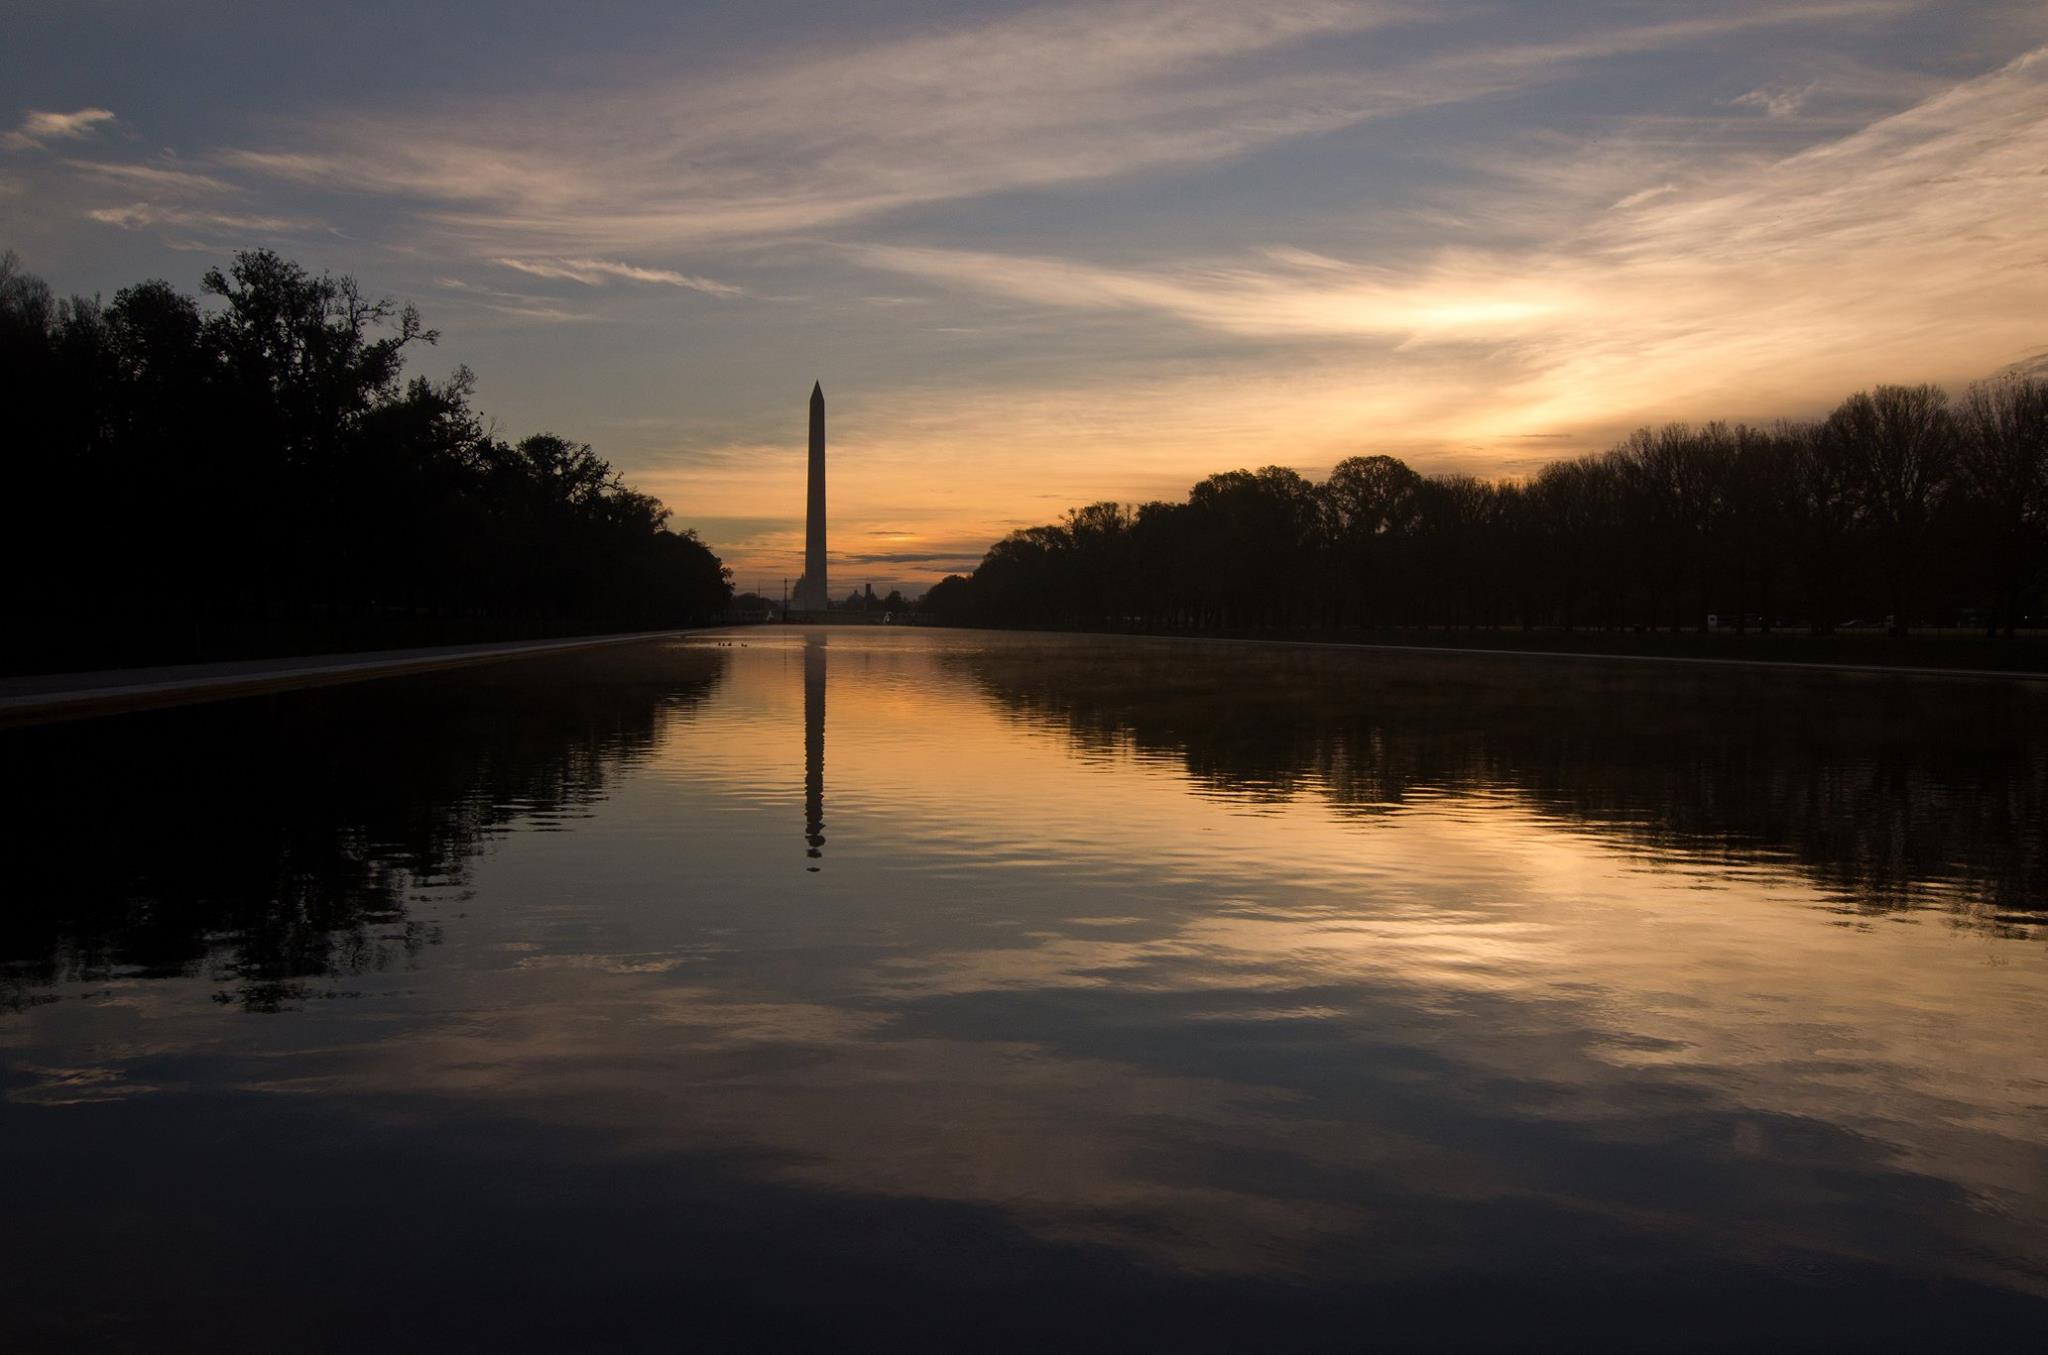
(1893, 505)
(1900, 444)
(2002, 470)
(255, 474)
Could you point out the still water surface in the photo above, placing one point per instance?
(881, 989)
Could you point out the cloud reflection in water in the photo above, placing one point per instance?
(1197, 980)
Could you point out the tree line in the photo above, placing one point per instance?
(1902, 507)
(257, 474)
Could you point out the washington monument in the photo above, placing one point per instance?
(811, 591)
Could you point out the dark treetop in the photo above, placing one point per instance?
(1901, 508)
(255, 475)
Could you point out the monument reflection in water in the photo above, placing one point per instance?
(814, 745)
(1157, 995)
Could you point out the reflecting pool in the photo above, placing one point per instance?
(867, 988)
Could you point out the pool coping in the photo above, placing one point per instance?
(1479, 651)
(65, 696)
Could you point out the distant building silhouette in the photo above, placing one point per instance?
(812, 594)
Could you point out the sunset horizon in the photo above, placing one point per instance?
(1144, 244)
(1025, 676)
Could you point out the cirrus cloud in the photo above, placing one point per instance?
(596, 272)
(39, 128)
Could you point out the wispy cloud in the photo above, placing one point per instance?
(1121, 243)
(513, 305)
(1905, 249)
(1775, 103)
(142, 215)
(1643, 195)
(596, 272)
(40, 128)
(950, 559)
(1057, 95)
(1293, 294)
(1909, 247)
(157, 178)
(552, 315)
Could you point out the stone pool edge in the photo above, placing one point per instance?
(68, 696)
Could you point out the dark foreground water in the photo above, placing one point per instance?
(872, 989)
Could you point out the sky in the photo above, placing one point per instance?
(1043, 255)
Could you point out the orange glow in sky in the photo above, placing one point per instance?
(1044, 255)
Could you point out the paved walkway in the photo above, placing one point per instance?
(1600, 656)
(1584, 655)
(63, 696)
